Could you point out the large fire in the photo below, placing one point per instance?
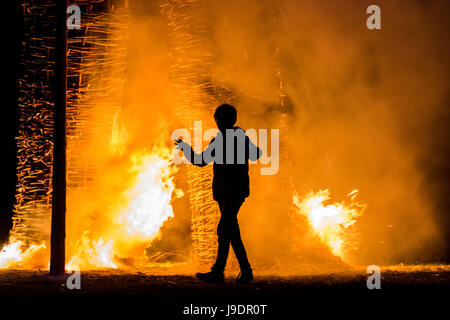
(17, 254)
(147, 206)
(331, 222)
(150, 198)
(136, 223)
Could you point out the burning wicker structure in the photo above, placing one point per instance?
(193, 52)
(31, 221)
(96, 59)
(192, 56)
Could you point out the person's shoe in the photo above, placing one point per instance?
(245, 276)
(211, 277)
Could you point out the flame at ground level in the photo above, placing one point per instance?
(144, 206)
(149, 207)
(137, 223)
(332, 222)
(16, 254)
(92, 254)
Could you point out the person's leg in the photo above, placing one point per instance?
(216, 275)
(236, 240)
(228, 233)
(225, 230)
(241, 254)
(246, 274)
(223, 246)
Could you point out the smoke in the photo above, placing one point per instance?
(361, 109)
(366, 110)
(122, 153)
(374, 118)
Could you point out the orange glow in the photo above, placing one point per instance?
(14, 254)
(148, 206)
(92, 254)
(137, 217)
(331, 222)
(150, 198)
(345, 121)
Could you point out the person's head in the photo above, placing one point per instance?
(225, 116)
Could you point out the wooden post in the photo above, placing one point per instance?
(58, 231)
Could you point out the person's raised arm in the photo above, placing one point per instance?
(193, 157)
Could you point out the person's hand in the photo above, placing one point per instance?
(180, 144)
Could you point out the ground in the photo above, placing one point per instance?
(162, 294)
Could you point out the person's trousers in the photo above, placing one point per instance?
(229, 234)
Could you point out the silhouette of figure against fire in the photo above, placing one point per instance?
(230, 151)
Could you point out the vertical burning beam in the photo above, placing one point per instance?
(58, 231)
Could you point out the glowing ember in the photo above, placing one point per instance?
(331, 222)
(13, 254)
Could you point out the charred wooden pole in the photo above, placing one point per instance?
(58, 230)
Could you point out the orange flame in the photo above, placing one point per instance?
(332, 223)
(14, 254)
(147, 207)
(92, 254)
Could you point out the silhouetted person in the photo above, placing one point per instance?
(230, 188)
